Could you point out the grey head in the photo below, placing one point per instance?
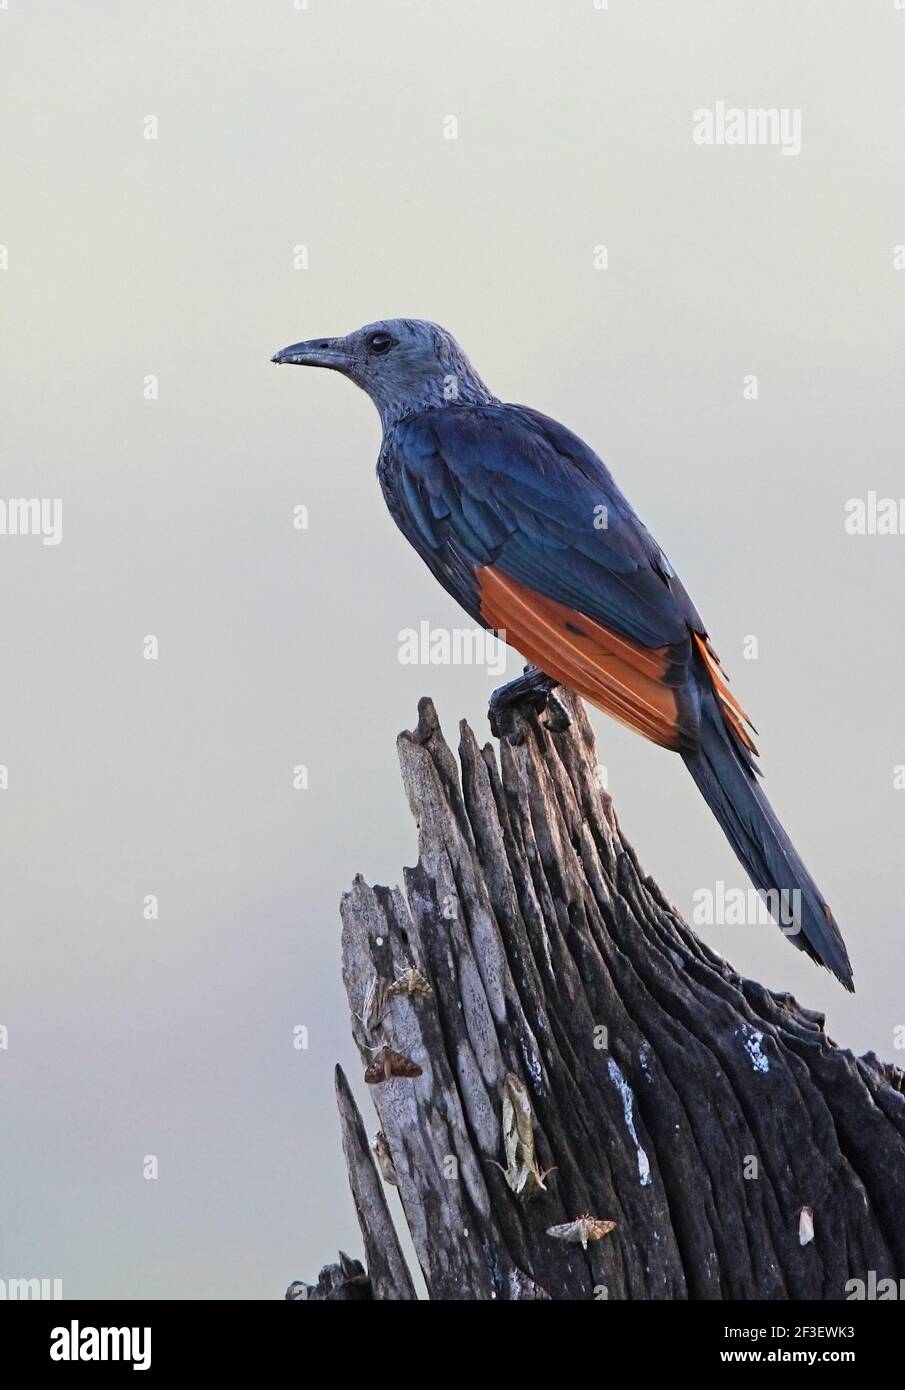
(405, 365)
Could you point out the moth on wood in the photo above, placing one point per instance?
(581, 1230)
(409, 982)
(389, 1063)
(384, 1159)
(805, 1225)
(522, 1174)
(374, 1004)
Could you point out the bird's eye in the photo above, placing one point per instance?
(381, 342)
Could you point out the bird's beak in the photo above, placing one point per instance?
(319, 352)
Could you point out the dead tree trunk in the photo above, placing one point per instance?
(582, 1053)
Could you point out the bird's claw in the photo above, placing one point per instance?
(533, 689)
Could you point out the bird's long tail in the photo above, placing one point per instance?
(731, 790)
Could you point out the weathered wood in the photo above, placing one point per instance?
(344, 1282)
(387, 1270)
(694, 1108)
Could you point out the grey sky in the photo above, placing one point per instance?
(173, 257)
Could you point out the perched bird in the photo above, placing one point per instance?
(523, 524)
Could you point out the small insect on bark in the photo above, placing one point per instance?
(387, 1064)
(409, 982)
(384, 1159)
(522, 1173)
(374, 1004)
(805, 1225)
(581, 1230)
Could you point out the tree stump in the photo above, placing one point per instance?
(582, 1053)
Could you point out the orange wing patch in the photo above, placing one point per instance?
(628, 681)
(733, 713)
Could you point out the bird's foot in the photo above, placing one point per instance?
(534, 689)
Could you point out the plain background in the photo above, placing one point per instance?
(324, 127)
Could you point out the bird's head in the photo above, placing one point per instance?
(405, 365)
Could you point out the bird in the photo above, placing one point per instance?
(523, 524)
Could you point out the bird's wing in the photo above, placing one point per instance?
(524, 525)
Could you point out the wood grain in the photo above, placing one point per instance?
(659, 1079)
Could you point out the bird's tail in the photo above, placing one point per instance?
(729, 785)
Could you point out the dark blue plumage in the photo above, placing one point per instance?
(520, 491)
